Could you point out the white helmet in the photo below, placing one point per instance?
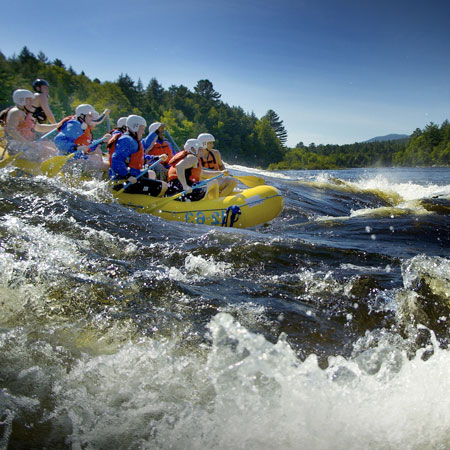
(153, 127)
(121, 122)
(192, 146)
(204, 138)
(20, 95)
(134, 122)
(84, 110)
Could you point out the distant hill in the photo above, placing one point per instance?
(388, 137)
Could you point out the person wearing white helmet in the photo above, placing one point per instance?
(75, 135)
(185, 171)
(211, 159)
(21, 128)
(160, 147)
(42, 111)
(127, 160)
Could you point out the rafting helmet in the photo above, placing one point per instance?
(85, 109)
(38, 83)
(154, 127)
(192, 146)
(204, 138)
(122, 122)
(20, 95)
(134, 122)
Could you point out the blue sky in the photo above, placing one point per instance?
(335, 72)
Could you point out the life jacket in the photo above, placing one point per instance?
(26, 126)
(210, 162)
(161, 148)
(83, 139)
(137, 159)
(111, 145)
(39, 114)
(192, 174)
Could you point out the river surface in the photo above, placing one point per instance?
(326, 329)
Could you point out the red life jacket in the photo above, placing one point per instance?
(161, 148)
(192, 174)
(111, 146)
(210, 162)
(85, 138)
(137, 159)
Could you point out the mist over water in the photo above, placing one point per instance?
(327, 328)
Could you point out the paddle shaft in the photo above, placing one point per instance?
(172, 141)
(140, 175)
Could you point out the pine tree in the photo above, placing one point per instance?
(277, 124)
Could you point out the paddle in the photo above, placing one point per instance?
(250, 180)
(140, 175)
(52, 166)
(46, 135)
(10, 159)
(174, 197)
(172, 141)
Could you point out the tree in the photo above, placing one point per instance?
(277, 124)
(206, 90)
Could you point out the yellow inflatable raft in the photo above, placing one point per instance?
(244, 209)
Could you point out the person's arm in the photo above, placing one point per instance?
(43, 100)
(149, 141)
(101, 117)
(189, 162)
(45, 127)
(207, 173)
(218, 159)
(65, 139)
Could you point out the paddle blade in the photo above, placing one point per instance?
(251, 180)
(9, 159)
(52, 166)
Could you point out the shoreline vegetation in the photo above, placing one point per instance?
(242, 137)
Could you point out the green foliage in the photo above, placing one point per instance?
(427, 147)
(277, 124)
(242, 138)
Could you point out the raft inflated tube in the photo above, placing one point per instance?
(257, 205)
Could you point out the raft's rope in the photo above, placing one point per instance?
(235, 213)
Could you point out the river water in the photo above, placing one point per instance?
(326, 329)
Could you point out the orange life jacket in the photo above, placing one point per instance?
(26, 126)
(210, 162)
(192, 174)
(161, 149)
(111, 146)
(85, 138)
(137, 159)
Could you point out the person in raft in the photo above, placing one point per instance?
(160, 147)
(42, 112)
(75, 136)
(121, 126)
(21, 128)
(185, 171)
(127, 160)
(210, 159)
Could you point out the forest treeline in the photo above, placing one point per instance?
(242, 137)
(427, 147)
